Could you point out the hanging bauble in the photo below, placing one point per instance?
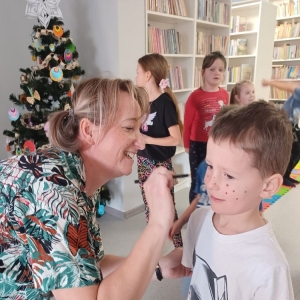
(33, 57)
(22, 98)
(52, 47)
(37, 44)
(58, 30)
(29, 122)
(56, 74)
(13, 114)
(75, 78)
(69, 93)
(71, 47)
(18, 150)
(24, 78)
(7, 141)
(29, 146)
(68, 56)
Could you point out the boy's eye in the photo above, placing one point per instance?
(228, 176)
(129, 128)
(209, 167)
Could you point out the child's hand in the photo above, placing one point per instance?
(265, 82)
(175, 229)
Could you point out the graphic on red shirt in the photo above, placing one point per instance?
(200, 112)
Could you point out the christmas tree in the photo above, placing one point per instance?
(47, 86)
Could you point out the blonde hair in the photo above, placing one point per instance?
(236, 91)
(158, 66)
(261, 130)
(97, 100)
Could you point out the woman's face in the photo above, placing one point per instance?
(117, 148)
(247, 94)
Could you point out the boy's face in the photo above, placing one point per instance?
(233, 185)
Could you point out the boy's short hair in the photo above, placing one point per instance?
(261, 130)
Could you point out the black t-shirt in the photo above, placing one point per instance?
(162, 116)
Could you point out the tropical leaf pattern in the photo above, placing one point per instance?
(49, 235)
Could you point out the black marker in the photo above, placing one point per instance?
(174, 176)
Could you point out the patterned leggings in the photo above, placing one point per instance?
(145, 168)
(196, 155)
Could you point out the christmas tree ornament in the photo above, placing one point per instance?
(29, 146)
(13, 114)
(7, 141)
(56, 74)
(37, 44)
(68, 56)
(24, 78)
(75, 78)
(52, 47)
(33, 57)
(18, 150)
(22, 98)
(44, 10)
(58, 30)
(71, 47)
(34, 95)
(29, 122)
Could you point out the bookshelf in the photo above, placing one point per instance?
(261, 19)
(192, 30)
(286, 54)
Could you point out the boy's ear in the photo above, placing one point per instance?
(86, 131)
(271, 186)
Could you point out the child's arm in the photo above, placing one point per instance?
(288, 86)
(184, 217)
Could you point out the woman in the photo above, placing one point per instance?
(50, 239)
(163, 127)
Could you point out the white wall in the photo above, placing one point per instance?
(109, 36)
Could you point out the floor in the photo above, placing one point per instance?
(120, 235)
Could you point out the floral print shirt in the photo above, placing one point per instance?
(49, 236)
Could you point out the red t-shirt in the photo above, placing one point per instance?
(200, 111)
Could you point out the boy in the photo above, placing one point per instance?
(231, 248)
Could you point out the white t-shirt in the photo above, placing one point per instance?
(244, 266)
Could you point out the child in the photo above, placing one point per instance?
(200, 111)
(292, 108)
(201, 198)
(231, 248)
(242, 93)
(162, 130)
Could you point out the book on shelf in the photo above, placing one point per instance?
(172, 7)
(241, 46)
(246, 72)
(238, 24)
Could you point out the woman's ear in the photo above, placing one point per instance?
(271, 186)
(237, 98)
(86, 131)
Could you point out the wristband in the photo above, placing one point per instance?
(158, 272)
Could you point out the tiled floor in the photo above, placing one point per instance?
(119, 236)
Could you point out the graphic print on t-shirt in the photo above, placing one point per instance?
(205, 284)
(149, 121)
(210, 110)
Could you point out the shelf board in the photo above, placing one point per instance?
(274, 99)
(177, 55)
(289, 59)
(288, 18)
(182, 90)
(209, 25)
(286, 79)
(287, 39)
(244, 5)
(240, 3)
(242, 56)
(166, 18)
(252, 32)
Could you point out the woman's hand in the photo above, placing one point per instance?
(157, 189)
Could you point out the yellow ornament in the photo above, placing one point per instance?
(33, 57)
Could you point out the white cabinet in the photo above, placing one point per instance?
(261, 20)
